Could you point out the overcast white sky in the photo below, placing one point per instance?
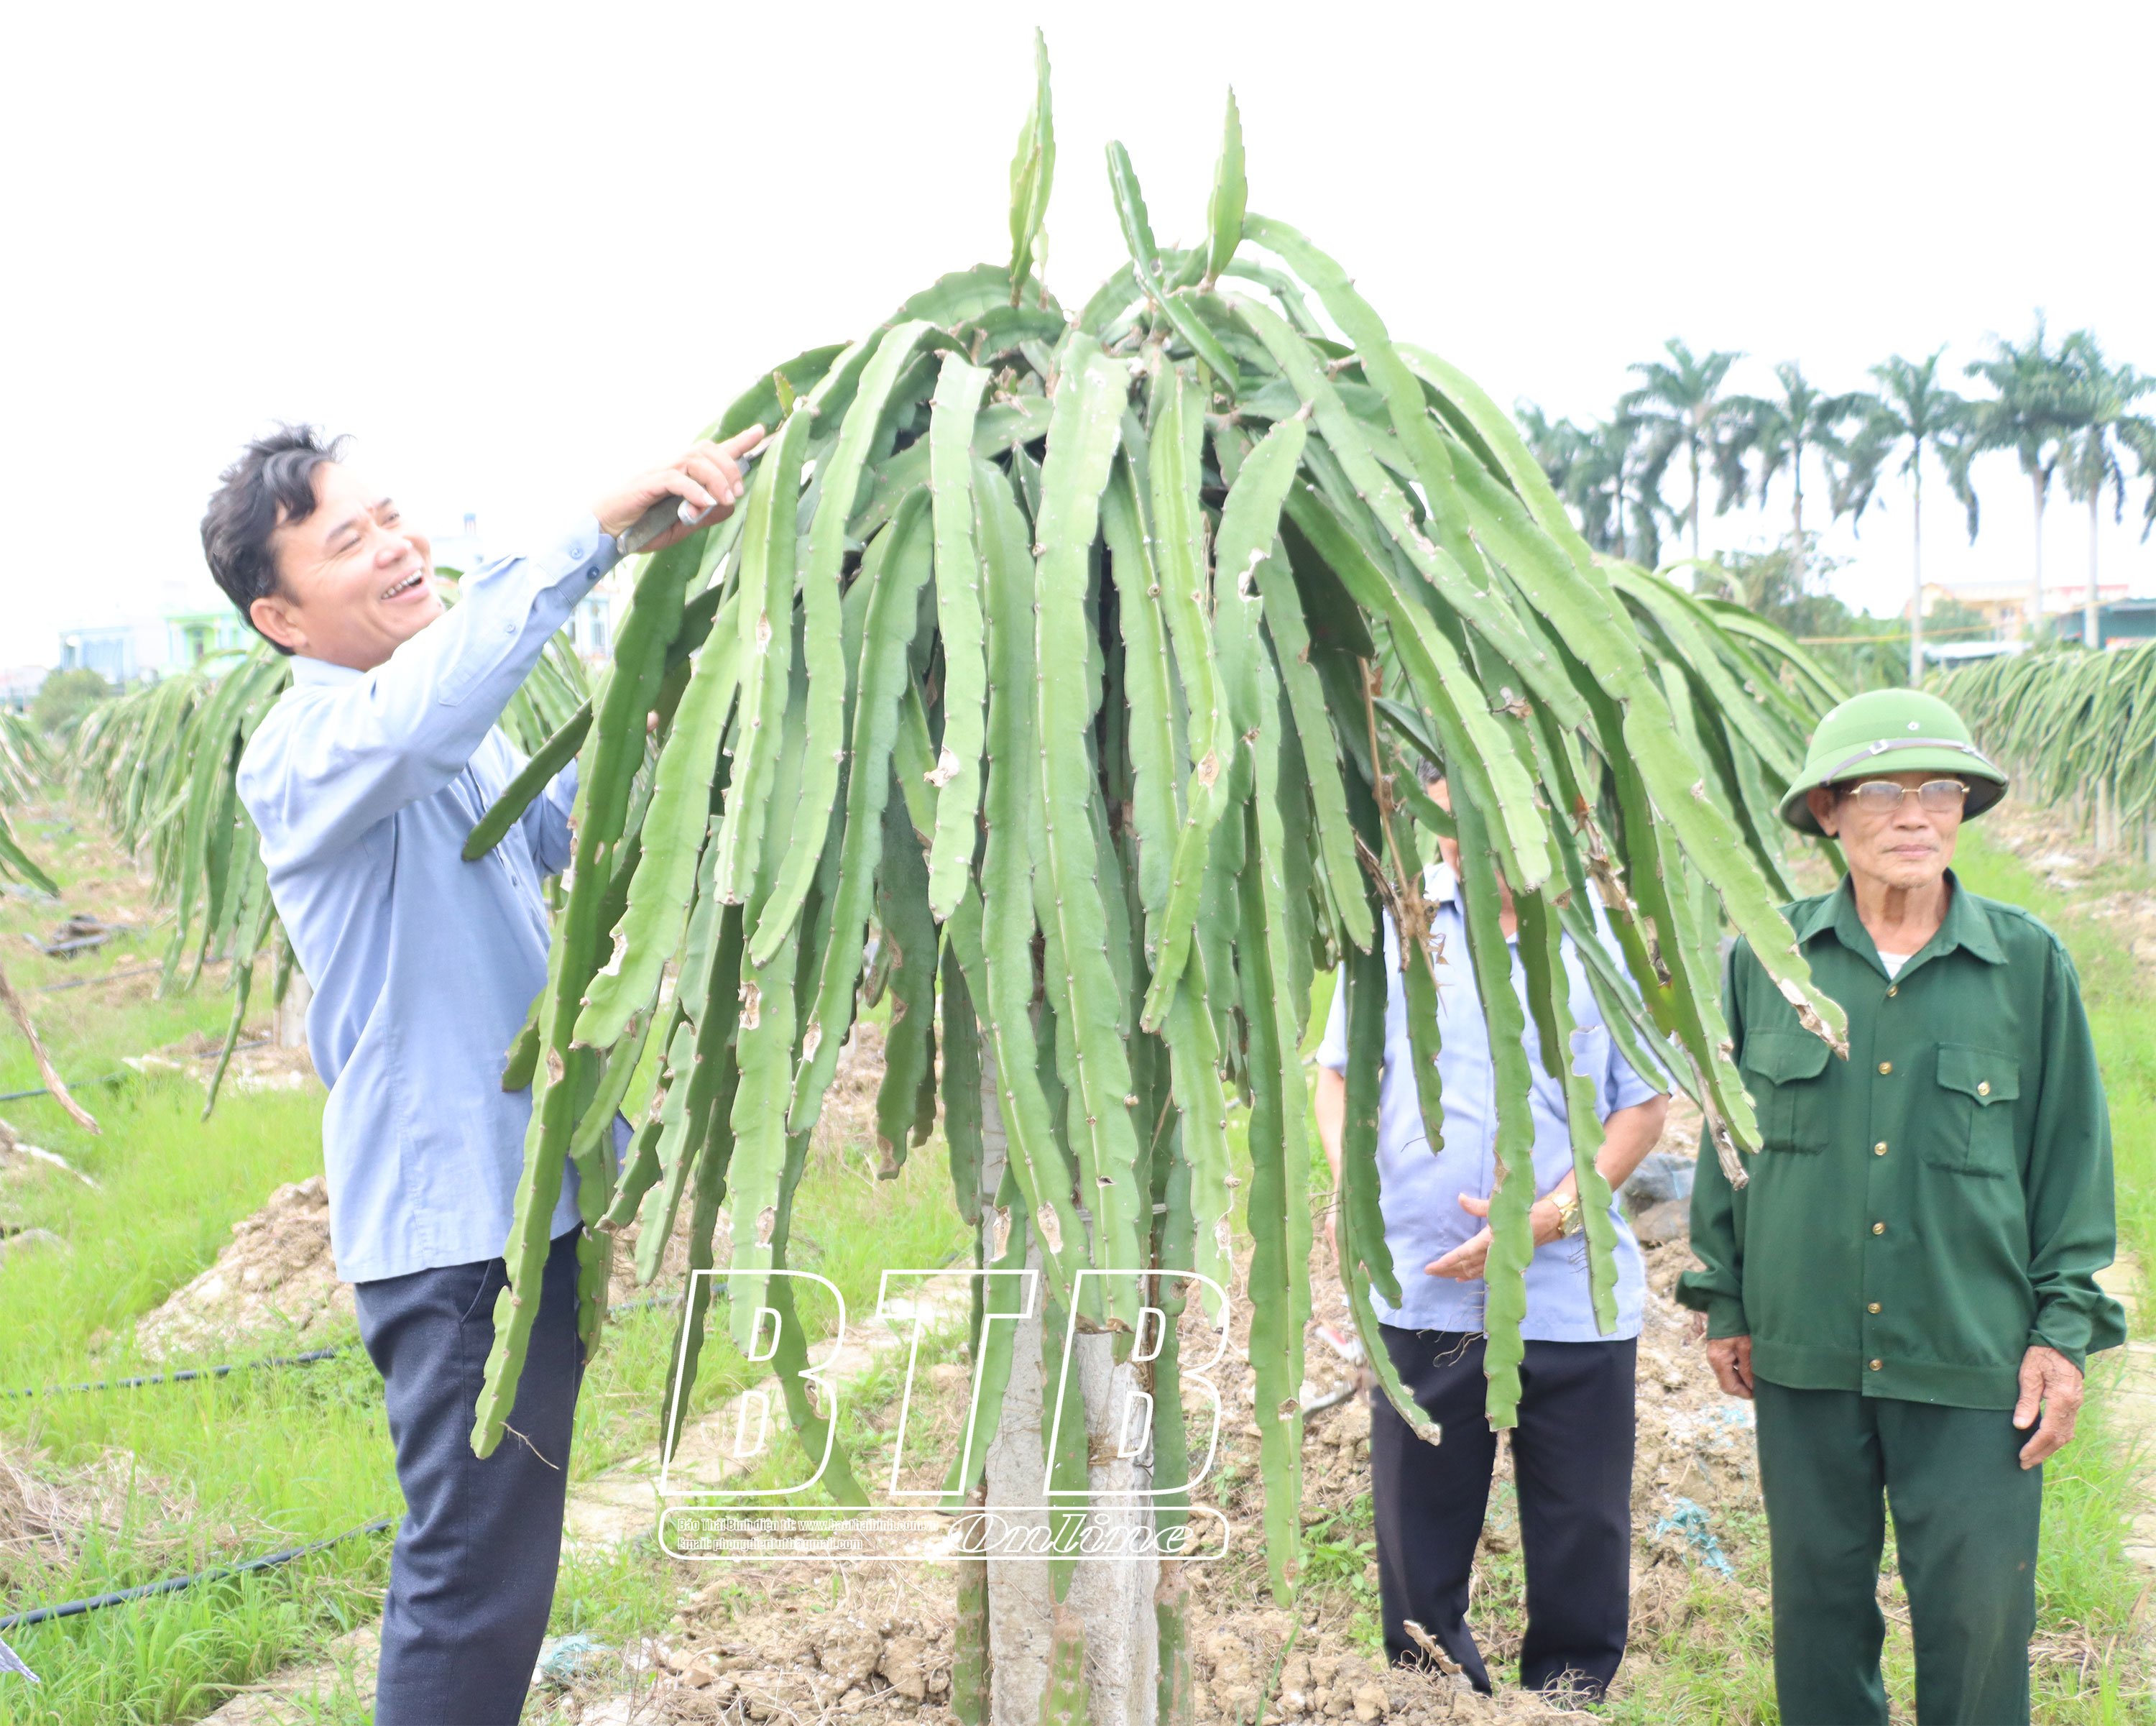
(521, 252)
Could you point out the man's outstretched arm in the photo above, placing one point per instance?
(391, 736)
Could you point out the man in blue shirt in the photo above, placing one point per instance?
(1572, 1450)
(364, 780)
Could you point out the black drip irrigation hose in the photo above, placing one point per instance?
(220, 1572)
(114, 1078)
(73, 1085)
(106, 977)
(179, 1378)
(172, 1584)
(308, 1358)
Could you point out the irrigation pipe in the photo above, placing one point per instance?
(108, 977)
(75, 1085)
(221, 1572)
(180, 1377)
(172, 1584)
(309, 1358)
(114, 1078)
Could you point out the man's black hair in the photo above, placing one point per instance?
(273, 483)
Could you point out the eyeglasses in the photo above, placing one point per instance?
(1883, 797)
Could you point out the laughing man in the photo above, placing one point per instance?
(363, 780)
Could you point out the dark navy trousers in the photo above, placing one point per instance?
(1572, 1466)
(471, 1579)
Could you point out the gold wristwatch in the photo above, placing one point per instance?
(1568, 1211)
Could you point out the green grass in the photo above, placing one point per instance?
(1718, 1667)
(172, 1187)
(220, 1476)
(1714, 1662)
(2122, 1020)
(216, 1475)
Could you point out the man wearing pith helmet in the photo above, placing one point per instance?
(1906, 1286)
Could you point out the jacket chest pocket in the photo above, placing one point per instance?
(1785, 1073)
(1973, 1131)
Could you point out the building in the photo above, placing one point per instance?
(121, 653)
(19, 686)
(191, 635)
(125, 653)
(195, 619)
(2003, 605)
(1960, 653)
(456, 553)
(2126, 622)
(590, 628)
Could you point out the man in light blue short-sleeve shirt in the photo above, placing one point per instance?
(1572, 1450)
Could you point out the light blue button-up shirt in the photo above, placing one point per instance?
(364, 785)
(1420, 1192)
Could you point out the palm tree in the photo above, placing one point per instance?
(1913, 412)
(1598, 471)
(2031, 415)
(1635, 485)
(1775, 433)
(1568, 455)
(1678, 405)
(2103, 395)
(2139, 435)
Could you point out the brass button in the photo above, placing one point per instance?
(1885, 1066)
(1893, 989)
(1879, 1228)
(1983, 1087)
(1879, 1149)
(1873, 1308)
(1877, 1365)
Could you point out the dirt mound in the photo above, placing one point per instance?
(274, 1286)
(257, 1063)
(745, 1648)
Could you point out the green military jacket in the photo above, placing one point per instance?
(1922, 1213)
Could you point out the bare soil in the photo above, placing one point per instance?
(257, 1064)
(274, 1287)
(873, 1642)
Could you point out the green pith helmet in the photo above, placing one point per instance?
(1891, 731)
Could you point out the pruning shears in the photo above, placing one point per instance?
(671, 511)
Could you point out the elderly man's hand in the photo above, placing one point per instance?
(1731, 1358)
(2048, 1378)
(708, 476)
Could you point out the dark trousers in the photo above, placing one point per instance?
(471, 1579)
(1966, 1515)
(1571, 1460)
